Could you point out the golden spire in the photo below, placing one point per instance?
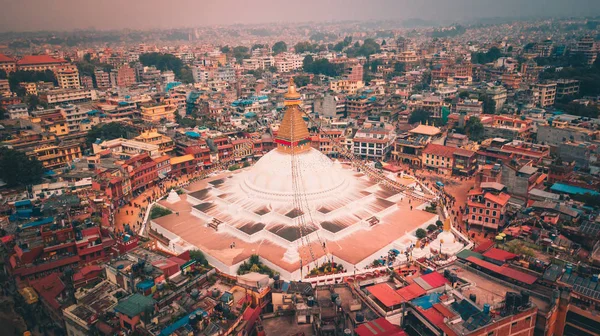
(447, 225)
(293, 133)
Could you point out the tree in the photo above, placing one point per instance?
(301, 80)
(421, 233)
(368, 48)
(463, 94)
(474, 128)
(33, 101)
(3, 74)
(418, 116)
(490, 56)
(162, 62)
(321, 66)
(279, 47)
(108, 131)
(241, 53)
(226, 49)
(431, 227)
(489, 105)
(16, 168)
(302, 47)
(439, 223)
(258, 46)
(158, 211)
(199, 257)
(186, 76)
(3, 113)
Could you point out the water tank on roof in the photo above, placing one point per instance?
(524, 298)
(310, 301)
(569, 269)
(148, 269)
(194, 293)
(486, 309)
(215, 293)
(473, 297)
(334, 296)
(360, 317)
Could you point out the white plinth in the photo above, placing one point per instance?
(173, 197)
(291, 255)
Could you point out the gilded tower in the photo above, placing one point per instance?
(293, 134)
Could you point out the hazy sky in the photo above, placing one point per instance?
(28, 15)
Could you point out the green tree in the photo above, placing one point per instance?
(241, 53)
(158, 211)
(474, 128)
(489, 105)
(3, 113)
(199, 257)
(301, 80)
(302, 47)
(16, 168)
(439, 223)
(258, 46)
(463, 94)
(421, 233)
(279, 47)
(431, 227)
(490, 56)
(226, 49)
(419, 116)
(3, 74)
(108, 131)
(162, 62)
(186, 76)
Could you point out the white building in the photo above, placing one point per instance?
(17, 111)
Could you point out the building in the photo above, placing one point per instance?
(30, 88)
(102, 79)
(486, 209)
(374, 143)
(559, 132)
(520, 177)
(579, 153)
(498, 94)
(578, 303)
(566, 87)
(81, 317)
(465, 162)
(508, 128)
(587, 47)
(354, 72)
(40, 63)
(544, 94)
(347, 86)
(142, 172)
(67, 77)
(151, 136)
(59, 96)
(76, 118)
(17, 111)
(438, 157)
(4, 88)
(125, 76)
(54, 156)
(288, 62)
(125, 149)
(8, 64)
(357, 107)
(158, 113)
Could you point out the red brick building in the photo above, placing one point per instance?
(486, 209)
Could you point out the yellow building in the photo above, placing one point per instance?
(164, 143)
(56, 156)
(30, 88)
(157, 113)
(67, 77)
(346, 86)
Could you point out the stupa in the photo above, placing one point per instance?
(258, 203)
(173, 197)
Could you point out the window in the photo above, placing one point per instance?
(495, 206)
(473, 217)
(487, 212)
(371, 145)
(479, 218)
(487, 219)
(491, 333)
(488, 204)
(494, 213)
(493, 220)
(379, 145)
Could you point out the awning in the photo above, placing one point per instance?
(162, 175)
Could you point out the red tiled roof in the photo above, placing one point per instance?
(500, 199)
(39, 59)
(484, 246)
(500, 255)
(504, 270)
(6, 59)
(411, 291)
(435, 317)
(440, 150)
(435, 279)
(379, 327)
(386, 295)
(49, 288)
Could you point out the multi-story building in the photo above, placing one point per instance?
(30, 88)
(40, 63)
(4, 87)
(67, 76)
(438, 157)
(587, 47)
(8, 64)
(151, 136)
(354, 72)
(288, 62)
(181, 165)
(201, 74)
(55, 156)
(346, 86)
(125, 76)
(579, 303)
(102, 79)
(125, 149)
(498, 94)
(59, 96)
(566, 87)
(155, 114)
(561, 131)
(544, 94)
(508, 128)
(373, 143)
(464, 163)
(17, 111)
(47, 245)
(486, 209)
(519, 178)
(357, 107)
(76, 117)
(142, 172)
(225, 74)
